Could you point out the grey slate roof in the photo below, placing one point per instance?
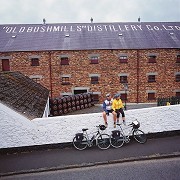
(84, 36)
(22, 94)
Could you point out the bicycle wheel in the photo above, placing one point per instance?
(80, 145)
(117, 142)
(139, 136)
(103, 141)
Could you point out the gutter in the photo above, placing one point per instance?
(50, 74)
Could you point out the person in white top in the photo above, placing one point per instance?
(107, 108)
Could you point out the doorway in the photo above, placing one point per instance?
(80, 91)
(5, 65)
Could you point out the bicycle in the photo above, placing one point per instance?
(118, 137)
(82, 140)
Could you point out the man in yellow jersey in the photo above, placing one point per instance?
(117, 106)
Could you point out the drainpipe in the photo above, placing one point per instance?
(50, 74)
(137, 98)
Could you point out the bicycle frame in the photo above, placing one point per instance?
(94, 137)
(126, 137)
(82, 140)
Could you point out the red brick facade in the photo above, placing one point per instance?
(136, 68)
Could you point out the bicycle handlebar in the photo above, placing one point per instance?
(101, 127)
(98, 126)
(121, 124)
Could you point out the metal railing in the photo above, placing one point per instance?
(168, 101)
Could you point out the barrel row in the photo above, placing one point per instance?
(67, 104)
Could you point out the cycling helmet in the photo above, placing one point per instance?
(116, 95)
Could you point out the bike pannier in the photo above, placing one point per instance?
(116, 134)
(79, 136)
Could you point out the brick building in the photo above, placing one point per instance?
(139, 60)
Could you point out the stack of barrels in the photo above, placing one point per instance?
(67, 104)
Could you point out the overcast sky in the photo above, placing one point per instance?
(80, 11)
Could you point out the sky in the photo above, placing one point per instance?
(81, 11)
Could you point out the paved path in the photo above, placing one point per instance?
(98, 108)
(54, 159)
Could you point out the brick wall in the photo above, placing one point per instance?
(108, 70)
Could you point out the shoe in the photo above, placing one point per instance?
(124, 122)
(114, 125)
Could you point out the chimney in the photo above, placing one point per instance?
(139, 19)
(44, 21)
(91, 20)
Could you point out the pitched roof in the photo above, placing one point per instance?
(84, 36)
(23, 94)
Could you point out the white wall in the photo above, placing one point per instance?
(46, 110)
(17, 131)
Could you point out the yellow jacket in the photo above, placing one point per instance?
(117, 104)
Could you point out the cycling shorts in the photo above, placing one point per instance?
(109, 111)
(118, 111)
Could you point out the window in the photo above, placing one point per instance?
(178, 59)
(95, 97)
(94, 80)
(64, 61)
(123, 59)
(65, 81)
(36, 80)
(94, 60)
(151, 78)
(151, 96)
(5, 65)
(124, 96)
(152, 59)
(34, 62)
(123, 79)
(80, 91)
(177, 94)
(178, 78)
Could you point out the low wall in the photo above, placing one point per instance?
(61, 129)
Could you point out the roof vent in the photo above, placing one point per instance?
(44, 21)
(91, 20)
(120, 34)
(139, 19)
(171, 33)
(67, 35)
(14, 36)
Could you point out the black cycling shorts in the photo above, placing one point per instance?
(109, 111)
(118, 111)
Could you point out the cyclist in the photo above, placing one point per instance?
(117, 106)
(107, 108)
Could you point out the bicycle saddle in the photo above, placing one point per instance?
(85, 129)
